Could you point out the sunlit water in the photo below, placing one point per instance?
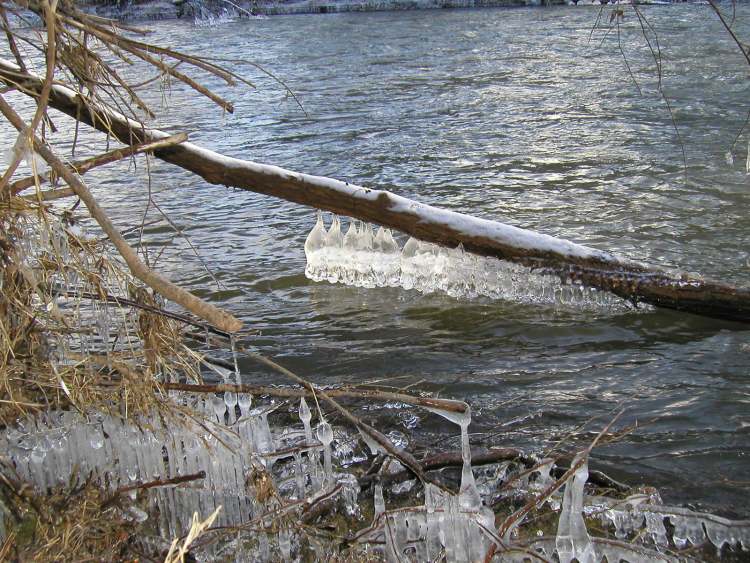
(506, 114)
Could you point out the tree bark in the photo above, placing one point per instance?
(595, 268)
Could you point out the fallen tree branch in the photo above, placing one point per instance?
(581, 264)
(449, 459)
(214, 315)
(368, 394)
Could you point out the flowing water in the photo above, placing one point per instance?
(511, 114)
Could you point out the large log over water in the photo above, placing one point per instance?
(630, 280)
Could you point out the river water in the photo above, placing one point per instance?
(520, 115)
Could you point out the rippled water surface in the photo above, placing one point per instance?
(506, 114)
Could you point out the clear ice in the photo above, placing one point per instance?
(361, 258)
(50, 450)
(573, 541)
(457, 526)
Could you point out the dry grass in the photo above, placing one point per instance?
(80, 523)
(62, 344)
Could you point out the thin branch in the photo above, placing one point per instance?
(83, 166)
(287, 393)
(17, 155)
(728, 27)
(222, 319)
(625, 58)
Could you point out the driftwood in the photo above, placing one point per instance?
(602, 270)
(287, 392)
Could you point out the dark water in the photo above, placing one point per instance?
(507, 114)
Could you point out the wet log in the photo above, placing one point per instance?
(630, 280)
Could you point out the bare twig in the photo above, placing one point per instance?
(153, 484)
(81, 167)
(364, 394)
(195, 305)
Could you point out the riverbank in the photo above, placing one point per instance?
(175, 9)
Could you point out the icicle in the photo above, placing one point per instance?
(285, 544)
(351, 237)
(245, 401)
(299, 475)
(334, 238)
(230, 401)
(315, 246)
(219, 408)
(468, 494)
(372, 445)
(325, 435)
(655, 527)
(378, 240)
(389, 244)
(306, 416)
(366, 238)
(233, 345)
(378, 500)
(316, 240)
(573, 541)
(265, 438)
(687, 530)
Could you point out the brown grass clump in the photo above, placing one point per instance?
(80, 523)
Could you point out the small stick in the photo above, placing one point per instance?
(152, 484)
(162, 482)
(449, 459)
(83, 166)
(428, 402)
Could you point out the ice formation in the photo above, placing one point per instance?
(573, 541)
(365, 258)
(640, 515)
(47, 451)
(458, 527)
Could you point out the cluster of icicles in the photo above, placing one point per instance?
(365, 258)
(301, 461)
(48, 450)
